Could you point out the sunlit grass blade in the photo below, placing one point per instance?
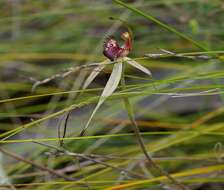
(161, 24)
(192, 172)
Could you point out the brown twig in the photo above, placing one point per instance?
(167, 54)
(36, 165)
(64, 74)
(91, 157)
(70, 168)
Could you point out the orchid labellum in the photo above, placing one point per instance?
(113, 51)
(118, 56)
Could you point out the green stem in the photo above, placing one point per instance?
(131, 116)
(161, 24)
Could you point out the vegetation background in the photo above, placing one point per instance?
(179, 111)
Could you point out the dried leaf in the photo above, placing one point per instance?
(137, 65)
(110, 87)
(94, 73)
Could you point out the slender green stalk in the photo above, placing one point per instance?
(131, 116)
(161, 24)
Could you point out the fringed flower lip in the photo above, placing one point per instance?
(113, 51)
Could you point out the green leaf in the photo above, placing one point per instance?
(110, 87)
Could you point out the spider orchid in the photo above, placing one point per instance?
(118, 56)
(113, 51)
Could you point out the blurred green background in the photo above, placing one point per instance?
(40, 38)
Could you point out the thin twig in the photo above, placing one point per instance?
(51, 171)
(61, 139)
(58, 75)
(207, 92)
(70, 168)
(168, 54)
(180, 95)
(91, 158)
(64, 74)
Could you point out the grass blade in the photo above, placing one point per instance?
(161, 24)
(192, 172)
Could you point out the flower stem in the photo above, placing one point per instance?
(131, 116)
